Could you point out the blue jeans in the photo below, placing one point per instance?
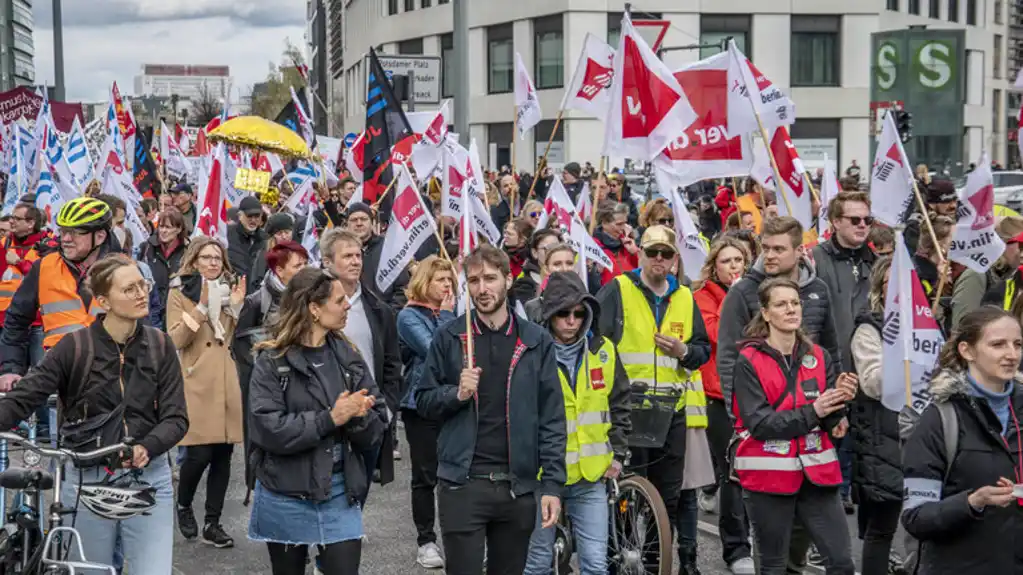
(688, 516)
(147, 541)
(586, 506)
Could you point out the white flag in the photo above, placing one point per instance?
(794, 196)
(829, 191)
(584, 244)
(584, 203)
(751, 93)
(526, 101)
(590, 88)
(692, 250)
(411, 224)
(78, 156)
(177, 163)
(974, 241)
(909, 333)
(891, 178)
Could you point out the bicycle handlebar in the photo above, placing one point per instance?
(64, 454)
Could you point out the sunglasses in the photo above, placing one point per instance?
(665, 253)
(534, 214)
(856, 220)
(666, 221)
(577, 314)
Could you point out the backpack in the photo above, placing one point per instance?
(950, 431)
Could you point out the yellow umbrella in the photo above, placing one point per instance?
(1002, 211)
(257, 132)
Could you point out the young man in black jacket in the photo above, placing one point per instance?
(488, 483)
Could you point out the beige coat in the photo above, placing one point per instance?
(211, 381)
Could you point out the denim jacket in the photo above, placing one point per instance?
(416, 325)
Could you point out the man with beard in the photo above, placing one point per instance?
(662, 345)
(509, 388)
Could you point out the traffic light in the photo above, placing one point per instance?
(904, 125)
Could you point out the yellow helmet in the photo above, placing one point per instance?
(85, 213)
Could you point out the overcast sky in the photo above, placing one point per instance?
(108, 40)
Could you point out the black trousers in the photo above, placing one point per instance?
(342, 558)
(818, 509)
(481, 512)
(665, 468)
(877, 522)
(197, 458)
(733, 527)
(421, 435)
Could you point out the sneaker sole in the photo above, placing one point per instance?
(218, 545)
(425, 566)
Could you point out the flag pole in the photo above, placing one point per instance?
(774, 163)
(909, 382)
(813, 190)
(593, 199)
(384, 195)
(942, 280)
(543, 160)
(515, 192)
(927, 221)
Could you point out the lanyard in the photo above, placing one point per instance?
(1019, 450)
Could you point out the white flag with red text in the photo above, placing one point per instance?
(527, 103)
(793, 193)
(411, 224)
(891, 178)
(591, 82)
(909, 333)
(584, 203)
(648, 109)
(751, 93)
(974, 241)
(707, 149)
(692, 249)
(212, 219)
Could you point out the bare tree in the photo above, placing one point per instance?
(275, 93)
(205, 106)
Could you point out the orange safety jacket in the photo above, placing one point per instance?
(779, 465)
(61, 307)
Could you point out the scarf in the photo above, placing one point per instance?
(998, 402)
(219, 299)
(568, 356)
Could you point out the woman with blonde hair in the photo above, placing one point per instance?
(725, 264)
(314, 416)
(532, 211)
(1000, 283)
(431, 303)
(656, 213)
(202, 313)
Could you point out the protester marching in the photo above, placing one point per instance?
(583, 376)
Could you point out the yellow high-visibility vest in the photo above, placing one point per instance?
(645, 363)
(588, 451)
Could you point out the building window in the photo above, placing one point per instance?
(412, 47)
(815, 137)
(815, 50)
(971, 12)
(392, 7)
(997, 57)
(934, 10)
(893, 5)
(549, 52)
(410, 5)
(717, 29)
(953, 10)
(439, 2)
(500, 137)
(500, 59)
(914, 7)
(999, 5)
(614, 24)
(447, 63)
(996, 109)
(426, 3)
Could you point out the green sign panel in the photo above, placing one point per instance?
(924, 69)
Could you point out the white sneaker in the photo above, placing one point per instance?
(743, 566)
(429, 557)
(707, 503)
(397, 455)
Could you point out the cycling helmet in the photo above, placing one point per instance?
(119, 499)
(84, 213)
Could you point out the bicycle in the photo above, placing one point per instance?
(26, 544)
(639, 533)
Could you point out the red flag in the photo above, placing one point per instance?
(124, 119)
(201, 147)
(212, 220)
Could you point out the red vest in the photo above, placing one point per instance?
(779, 466)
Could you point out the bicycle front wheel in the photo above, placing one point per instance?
(640, 532)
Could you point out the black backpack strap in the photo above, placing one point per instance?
(84, 355)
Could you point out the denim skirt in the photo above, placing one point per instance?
(278, 518)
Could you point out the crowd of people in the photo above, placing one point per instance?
(769, 356)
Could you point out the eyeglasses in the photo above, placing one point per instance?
(138, 290)
(666, 221)
(77, 232)
(577, 314)
(857, 220)
(211, 259)
(665, 253)
(25, 219)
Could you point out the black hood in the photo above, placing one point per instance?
(565, 290)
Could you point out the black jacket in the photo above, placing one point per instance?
(742, 303)
(242, 249)
(155, 413)
(536, 409)
(395, 295)
(22, 312)
(847, 275)
(611, 322)
(254, 320)
(874, 430)
(163, 268)
(526, 286)
(565, 291)
(763, 421)
(955, 539)
(292, 433)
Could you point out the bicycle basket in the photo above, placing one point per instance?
(651, 419)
